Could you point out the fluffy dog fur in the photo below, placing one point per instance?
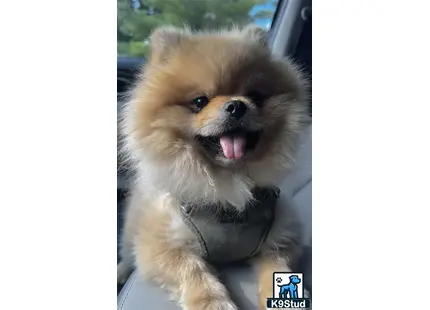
(161, 128)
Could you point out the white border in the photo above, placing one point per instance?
(371, 154)
(58, 137)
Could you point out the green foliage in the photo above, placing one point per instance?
(135, 25)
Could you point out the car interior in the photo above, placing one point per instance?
(291, 35)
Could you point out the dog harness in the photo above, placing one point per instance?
(226, 235)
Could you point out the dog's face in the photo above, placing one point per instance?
(295, 279)
(215, 101)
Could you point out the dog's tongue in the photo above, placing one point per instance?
(233, 146)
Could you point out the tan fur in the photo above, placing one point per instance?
(186, 274)
(160, 130)
(267, 266)
(210, 112)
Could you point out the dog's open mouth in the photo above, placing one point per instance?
(232, 144)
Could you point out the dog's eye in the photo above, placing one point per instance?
(256, 97)
(200, 102)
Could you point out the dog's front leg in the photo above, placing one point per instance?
(266, 266)
(189, 279)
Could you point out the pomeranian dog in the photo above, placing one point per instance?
(210, 128)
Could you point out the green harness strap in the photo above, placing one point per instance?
(226, 235)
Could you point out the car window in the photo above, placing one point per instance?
(137, 18)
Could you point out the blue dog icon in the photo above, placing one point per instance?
(290, 288)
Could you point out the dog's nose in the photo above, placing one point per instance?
(235, 108)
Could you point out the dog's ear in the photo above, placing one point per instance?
(257, 34)
(164, 39)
